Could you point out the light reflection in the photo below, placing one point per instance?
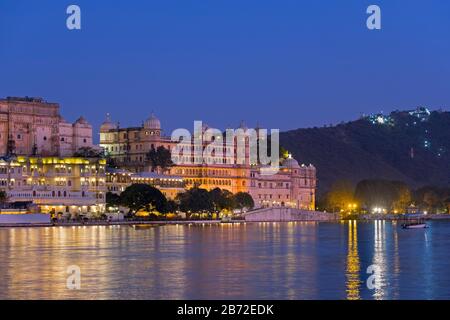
(379, 258)
(353, 263)
(300, 260)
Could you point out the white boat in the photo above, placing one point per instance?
(414, 222)
(414, 225)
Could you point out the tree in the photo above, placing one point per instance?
(111, 162)
(447, 204)
(284, 154)
(431, 200)
(384, 194)
(221, 199)
(112, 200)
(171, 207)
(243, 200)
(403, 197)
(3, 197)
(159, 158)
(88, 152)
(142, 196)
(340, 196)
(372, 194)
(195, 200)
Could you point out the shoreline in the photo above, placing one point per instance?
(115, 223)
(430, 217)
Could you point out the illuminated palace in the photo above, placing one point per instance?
(294, 185)
(32, 126)
(60, 186)
(37, 163)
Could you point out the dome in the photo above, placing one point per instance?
(290, 163)
(152, 122)
(107, 124)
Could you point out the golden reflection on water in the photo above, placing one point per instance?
(353, 263)
(298, 260)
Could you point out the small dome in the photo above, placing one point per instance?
(290, 163)
(152, 122)
(107, 124)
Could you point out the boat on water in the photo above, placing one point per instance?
(142, 226)
(414, 225)
(416, 221)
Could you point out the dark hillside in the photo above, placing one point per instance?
(410, 146)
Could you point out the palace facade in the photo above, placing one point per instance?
(37, 163)
(60, 186)
(128, 147)
(117, 180)
(34, 127)
(293, 185)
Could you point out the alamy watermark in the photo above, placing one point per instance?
(73, 281)
(374, 280)
(374, 20)
(73, 21)
(242, 146)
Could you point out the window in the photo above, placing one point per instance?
(45, 138)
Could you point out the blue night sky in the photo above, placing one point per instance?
(284, 63)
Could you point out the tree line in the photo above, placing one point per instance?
(144, 197)
(384, 196)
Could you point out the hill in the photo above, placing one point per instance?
(410, 146)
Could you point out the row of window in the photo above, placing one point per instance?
(270, 196)
(53, 194)
(210, 182)
(205, 172)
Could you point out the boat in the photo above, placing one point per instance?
(142, 226)
(414, 225)
(414, 222)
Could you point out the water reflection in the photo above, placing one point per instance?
(248, 261)
(353, 264)
(379, 258)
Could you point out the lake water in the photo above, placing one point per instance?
(239, 261)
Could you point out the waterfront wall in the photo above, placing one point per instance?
(11, 219)
(275, 214)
